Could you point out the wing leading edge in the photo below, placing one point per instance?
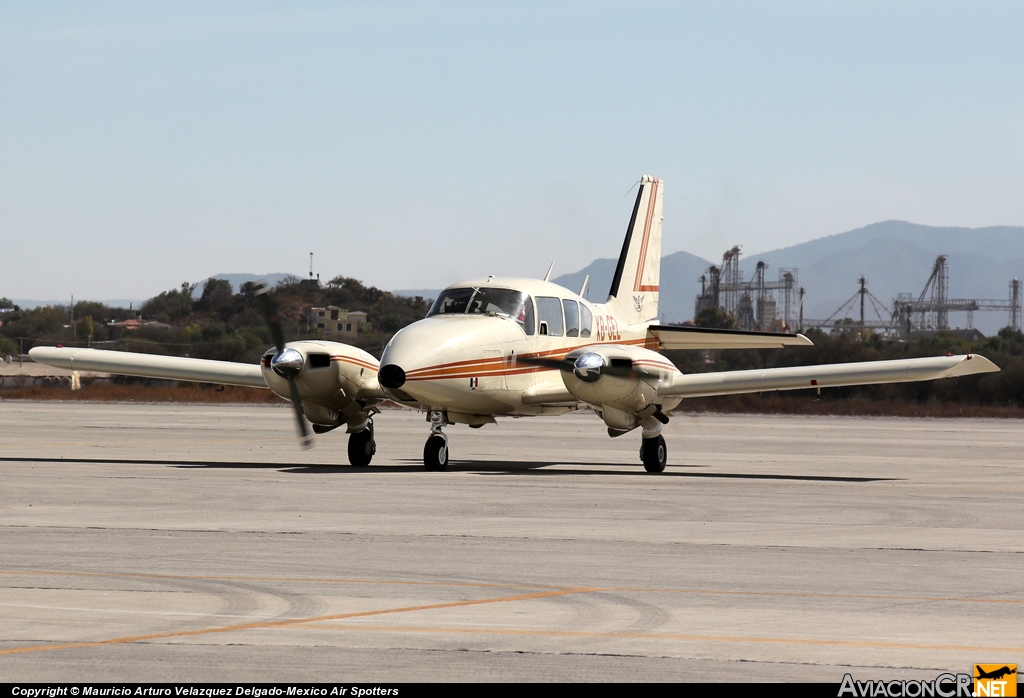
(151, 366)
(686, 337)
(826, 376)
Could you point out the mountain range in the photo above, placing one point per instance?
(894, 256)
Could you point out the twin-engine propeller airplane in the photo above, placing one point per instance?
(492, 347)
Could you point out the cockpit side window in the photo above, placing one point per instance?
(549, 313)
(588, 321)
(572, 318)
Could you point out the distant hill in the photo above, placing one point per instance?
(29, 304)
(425, 293)
(897, 256)
(237, 280)
(680, 274)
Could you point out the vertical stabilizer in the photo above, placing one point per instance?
(634, 290)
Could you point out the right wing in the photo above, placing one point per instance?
(825, 376)
(151, 366)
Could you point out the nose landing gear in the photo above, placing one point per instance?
(435, 452)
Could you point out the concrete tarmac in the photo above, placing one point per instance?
(199, 543)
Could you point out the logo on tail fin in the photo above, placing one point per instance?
(638, 303)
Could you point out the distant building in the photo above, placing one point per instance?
(132, 324)
(335, 322)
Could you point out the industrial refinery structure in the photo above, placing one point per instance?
(777, 306)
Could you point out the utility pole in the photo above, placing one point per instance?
(801, 308)
(863, 283)
(73, 334)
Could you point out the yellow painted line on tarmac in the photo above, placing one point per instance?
(290, 621)
(678, 637)
(311, 580)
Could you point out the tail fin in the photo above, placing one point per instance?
(634, 290)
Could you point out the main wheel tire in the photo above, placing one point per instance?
(361, 447)
(654, 454)
(435, 453)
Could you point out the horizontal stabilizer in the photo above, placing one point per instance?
(151, 366)
(689, 337)
(826, 376)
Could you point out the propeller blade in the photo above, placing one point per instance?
(305, 440)
(560, 364)
(270, 314)
(619, 368)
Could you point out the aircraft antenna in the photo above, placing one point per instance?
(547, 277)
(583, 288)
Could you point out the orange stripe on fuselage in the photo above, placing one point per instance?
(507, 366)
(357, 362)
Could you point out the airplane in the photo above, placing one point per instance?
(496, 347)
(995, 674)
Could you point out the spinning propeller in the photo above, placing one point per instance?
(286, 362)
(589, 367)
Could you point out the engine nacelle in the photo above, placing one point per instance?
(328, 375)
(621, 382)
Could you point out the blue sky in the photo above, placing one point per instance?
(411, 144)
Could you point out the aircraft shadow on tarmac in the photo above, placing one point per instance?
(480, 467)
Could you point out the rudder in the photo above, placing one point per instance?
(634, 289)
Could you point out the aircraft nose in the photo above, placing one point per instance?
(391, 376)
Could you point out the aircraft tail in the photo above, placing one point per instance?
(634, 290)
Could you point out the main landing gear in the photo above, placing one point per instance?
(654, 454)
(435, 452)
(361, 446)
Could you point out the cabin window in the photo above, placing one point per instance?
(549, 313)
(588, 320)
(572, 318)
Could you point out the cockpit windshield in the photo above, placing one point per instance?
(499, 302)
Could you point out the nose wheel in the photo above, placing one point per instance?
(361, 447)
(435, 453)
(654, 454)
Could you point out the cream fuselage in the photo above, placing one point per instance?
(468, 364)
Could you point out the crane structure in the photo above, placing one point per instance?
(754, 303)
(840, 320)
(930, 311)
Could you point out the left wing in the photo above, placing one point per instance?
(825, 376)
(151, 366)
(689, 337)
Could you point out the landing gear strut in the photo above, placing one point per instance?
(361, 446)
(654, 454)
(435, 452)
